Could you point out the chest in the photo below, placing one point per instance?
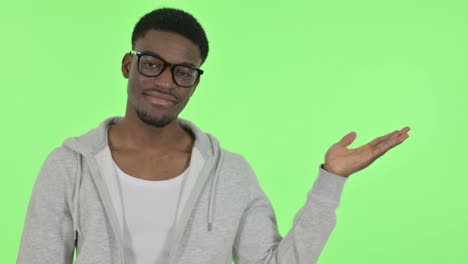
(153, 167)
(199, 245)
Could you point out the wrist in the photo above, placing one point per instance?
(328, 168)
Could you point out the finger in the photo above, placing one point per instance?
(405, 129)
(347, 140)
(399, 135)
(388, 144)
(389, 136)
(378, 140)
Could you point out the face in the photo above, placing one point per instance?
(157, 101)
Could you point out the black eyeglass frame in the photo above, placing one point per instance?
(166, 64)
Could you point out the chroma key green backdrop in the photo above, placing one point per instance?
(284, 80)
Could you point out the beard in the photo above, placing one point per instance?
(152, 121)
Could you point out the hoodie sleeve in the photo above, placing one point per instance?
(48, 235)
(258, 240)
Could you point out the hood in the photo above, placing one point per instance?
(92, 144)
(95, 140)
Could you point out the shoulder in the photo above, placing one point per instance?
(59, 168)
(237, 162)
(62, 155)
(237, 170)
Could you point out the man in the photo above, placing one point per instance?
(152, 188)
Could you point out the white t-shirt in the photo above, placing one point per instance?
(149, 209)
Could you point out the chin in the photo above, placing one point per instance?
(158, 122)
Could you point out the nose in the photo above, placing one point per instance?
(165, 80)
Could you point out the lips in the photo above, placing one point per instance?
(158, 98)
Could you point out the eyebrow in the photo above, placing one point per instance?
(161, 57)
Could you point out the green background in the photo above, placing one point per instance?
(284, 80)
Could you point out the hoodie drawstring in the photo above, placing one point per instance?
(75, 199)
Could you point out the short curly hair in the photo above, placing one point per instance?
(173, 20)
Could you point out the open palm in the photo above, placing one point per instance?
(343, 161)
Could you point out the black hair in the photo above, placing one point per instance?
(173, 20)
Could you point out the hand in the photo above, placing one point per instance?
(342, 161)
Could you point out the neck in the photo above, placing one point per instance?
(133, 133)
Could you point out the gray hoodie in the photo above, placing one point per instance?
(223, 214)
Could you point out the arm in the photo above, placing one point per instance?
(258, 239)
(48, 235)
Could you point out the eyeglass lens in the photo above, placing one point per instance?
(152, 66)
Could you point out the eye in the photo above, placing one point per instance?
(151, 65)
(185, 72)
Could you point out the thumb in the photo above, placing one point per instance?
(347, 140)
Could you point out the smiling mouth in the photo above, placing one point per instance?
(159, 100)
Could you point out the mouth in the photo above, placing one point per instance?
(160, 99)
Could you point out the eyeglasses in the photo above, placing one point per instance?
(153, 66)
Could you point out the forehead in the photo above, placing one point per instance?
(171, 46)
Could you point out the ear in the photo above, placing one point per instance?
(126, 65)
